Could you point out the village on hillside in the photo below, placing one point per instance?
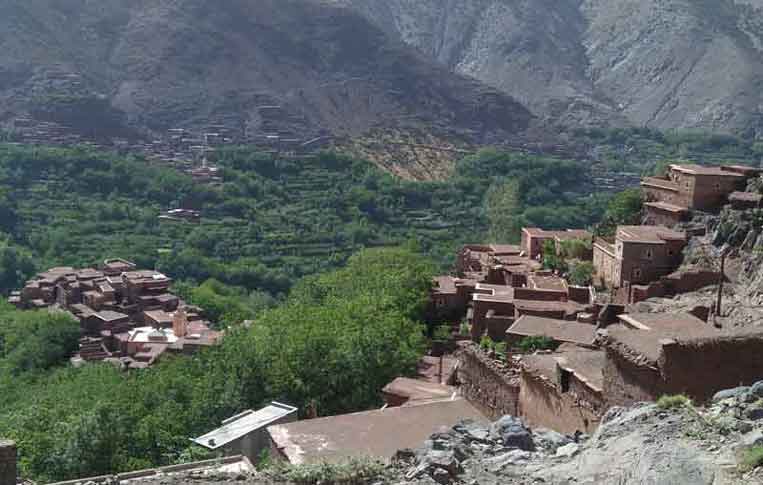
(552, 331)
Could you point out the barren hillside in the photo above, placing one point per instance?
(662, 64)
(173, 63)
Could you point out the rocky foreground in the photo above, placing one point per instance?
(638, 445)
(671, 443)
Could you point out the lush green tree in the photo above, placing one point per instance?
(623, 209)
(35, 341)
(502, 206)
(581, 273)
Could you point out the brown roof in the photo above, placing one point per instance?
(641, 333)
(664, 206)
(110, 316)
(693, 169)
(562, 235)
(649, 234)
(552, 283)
(586, 364)
(485, 292)
(573, 234)
(559, 330)
(371, 434)
(418, 390)
(660, 183)
(569, 307)
(505, 249)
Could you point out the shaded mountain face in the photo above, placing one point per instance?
(656, 63)
(180, 63)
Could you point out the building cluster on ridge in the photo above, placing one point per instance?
(607, 352)
(127, 316)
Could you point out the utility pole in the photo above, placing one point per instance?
(721, 278)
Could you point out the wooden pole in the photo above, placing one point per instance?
(721, 278)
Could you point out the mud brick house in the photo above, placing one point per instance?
(449, 297)
(664, 214)
(650, 355)
(695, 187)
(534, 238)
(377, 434)
(560, 331)
(492, 306)
(474, 260)
(563, 390)
(640, 255)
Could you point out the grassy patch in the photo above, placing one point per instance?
(674, 402)
(752, 458)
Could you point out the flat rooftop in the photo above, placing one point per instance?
(418, 390)
(377, 434)
(664, 206)
(693, 169)
(505, 249)
(551, 283)
(242, 424)
(641, 333)
(586, 364)
(649, 234)
(559, 330)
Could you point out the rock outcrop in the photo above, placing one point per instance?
(642, 444)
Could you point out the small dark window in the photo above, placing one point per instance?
(637, 273)
(564, 380)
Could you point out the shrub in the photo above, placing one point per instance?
(442, 333)
(533, 344)
(674, 402)
(486, 343)
(581, 273)
(752, 458)
(464, 328)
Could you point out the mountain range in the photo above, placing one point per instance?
(472, 71)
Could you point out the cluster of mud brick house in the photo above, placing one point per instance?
(126, 315)
(607, 353)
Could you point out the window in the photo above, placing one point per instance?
(636, 273)
(564, 380)
(670, 252)
(718, 187)
(648, 254)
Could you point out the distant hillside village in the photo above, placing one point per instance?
(548, 330)
(127, 316)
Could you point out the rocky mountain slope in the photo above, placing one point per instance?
(656, 63)
(150, 66)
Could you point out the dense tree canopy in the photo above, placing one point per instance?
(333, 344)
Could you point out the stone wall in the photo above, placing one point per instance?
(721, 363)
(541, 403)
(489, 385)
(7, 462)
(534, 294)
(626, 383)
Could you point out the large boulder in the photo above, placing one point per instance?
(513, 434)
